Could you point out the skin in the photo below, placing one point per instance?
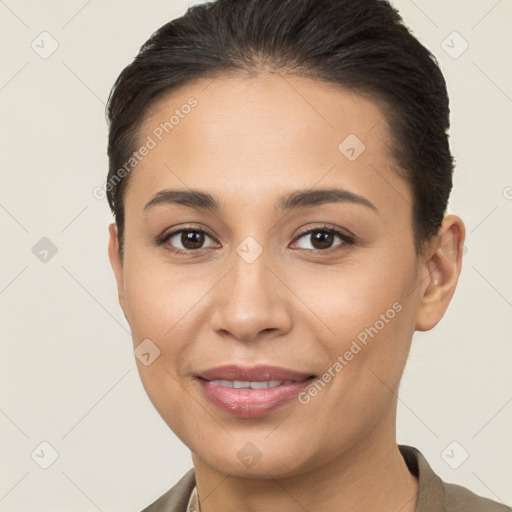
(248, 141)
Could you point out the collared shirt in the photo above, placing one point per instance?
(434, 495)
(193, 502)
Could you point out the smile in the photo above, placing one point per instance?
(240, 384)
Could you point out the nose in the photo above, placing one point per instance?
(251, 301)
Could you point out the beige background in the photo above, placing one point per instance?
(68, 375)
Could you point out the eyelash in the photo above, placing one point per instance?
(347, 239)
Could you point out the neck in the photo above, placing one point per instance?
(371, 476)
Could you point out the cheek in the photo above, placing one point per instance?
(161, 300)
(165, 306)
(364, 310)
(162, 309)
(355, 295)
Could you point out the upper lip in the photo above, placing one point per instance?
(258, 373)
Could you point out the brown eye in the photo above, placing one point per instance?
(190, 240)
(323, 238)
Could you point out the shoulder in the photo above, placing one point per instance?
(436, 495)
(461, 499)
(176, 498)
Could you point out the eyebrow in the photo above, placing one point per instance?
(295, 200)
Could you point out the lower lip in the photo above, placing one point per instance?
(250, 403)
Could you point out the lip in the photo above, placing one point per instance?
(258, 373)
(251, 403)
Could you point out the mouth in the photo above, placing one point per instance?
(257, 373)
(252, 392)
(240, 384)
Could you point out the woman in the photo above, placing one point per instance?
(279, 174)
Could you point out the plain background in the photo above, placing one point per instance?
(68, 374)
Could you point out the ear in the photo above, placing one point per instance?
(117, 266)
(440, 272)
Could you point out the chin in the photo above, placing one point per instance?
(254, 460)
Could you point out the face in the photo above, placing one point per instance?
(268, 270)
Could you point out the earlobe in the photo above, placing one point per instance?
(441, 273)
(116, 264)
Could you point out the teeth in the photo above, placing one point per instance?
(238, 384)
(262, 385)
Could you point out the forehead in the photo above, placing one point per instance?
(255, 134)
(258, 108)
